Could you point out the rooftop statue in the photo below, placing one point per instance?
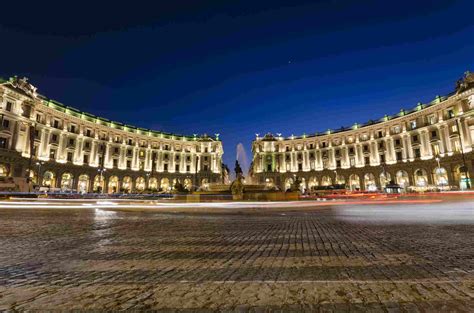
(466, 82)
(24, 85)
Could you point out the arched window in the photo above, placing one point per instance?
(402, 179)
(441, 177)
(421, 178)
(165, 184)
(369, 182)
(83, 183)
(66, 181)
(140, 184)
(354, 182)
(385, 179)
(153, 183)
(326, 181)
(113, 184)
(188, 184)
(127, 184)
(49, 179)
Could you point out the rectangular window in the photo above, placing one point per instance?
(9, 106)
(415, 138)
(457, 146)
(54, 138)
(188, 168)
(176, 168)
(72, 129)
(338, 163)
(115, 163)
(165, 167)
(352, 161)
(88, 133)
(417, 153)
(413, 124)
(6, 124)
(71, 142)
(85, 159)
(129, 164)
(399, 156)
(38, 118)
(432, 119)
(69, 156)
(205, 167)
(382, 158)
(52, 154)
(300, 166)
(450, 113)
(367, 160)
(3, 143)
(454, 128)
(56, 124)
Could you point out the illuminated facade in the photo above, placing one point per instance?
(429, 147)
(75, 150)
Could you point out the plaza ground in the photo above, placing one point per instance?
(381, 256)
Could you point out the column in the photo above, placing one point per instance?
(60, 153)
(78, 159)
(442, 147)
(466, 136)
(447, 140)
(107, 159)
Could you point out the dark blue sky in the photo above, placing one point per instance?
(240, 67)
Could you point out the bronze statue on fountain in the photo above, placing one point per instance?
(237, 186)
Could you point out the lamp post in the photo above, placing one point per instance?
(148, 180)
(101, 179)
(196, 173)
(38, 164)
(463, 168)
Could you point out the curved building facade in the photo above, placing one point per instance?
(429, 147)
(62, 147)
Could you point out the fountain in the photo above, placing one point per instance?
(242, 189)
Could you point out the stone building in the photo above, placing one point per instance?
(429, 147)
(62, 147)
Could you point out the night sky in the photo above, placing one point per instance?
(239, 67)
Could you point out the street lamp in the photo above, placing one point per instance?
(463, 168)
(148, 180)
(39, 164)
(101, 172)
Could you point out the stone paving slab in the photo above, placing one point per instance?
(301, 261)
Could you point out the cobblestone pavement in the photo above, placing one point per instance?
(294, 261)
